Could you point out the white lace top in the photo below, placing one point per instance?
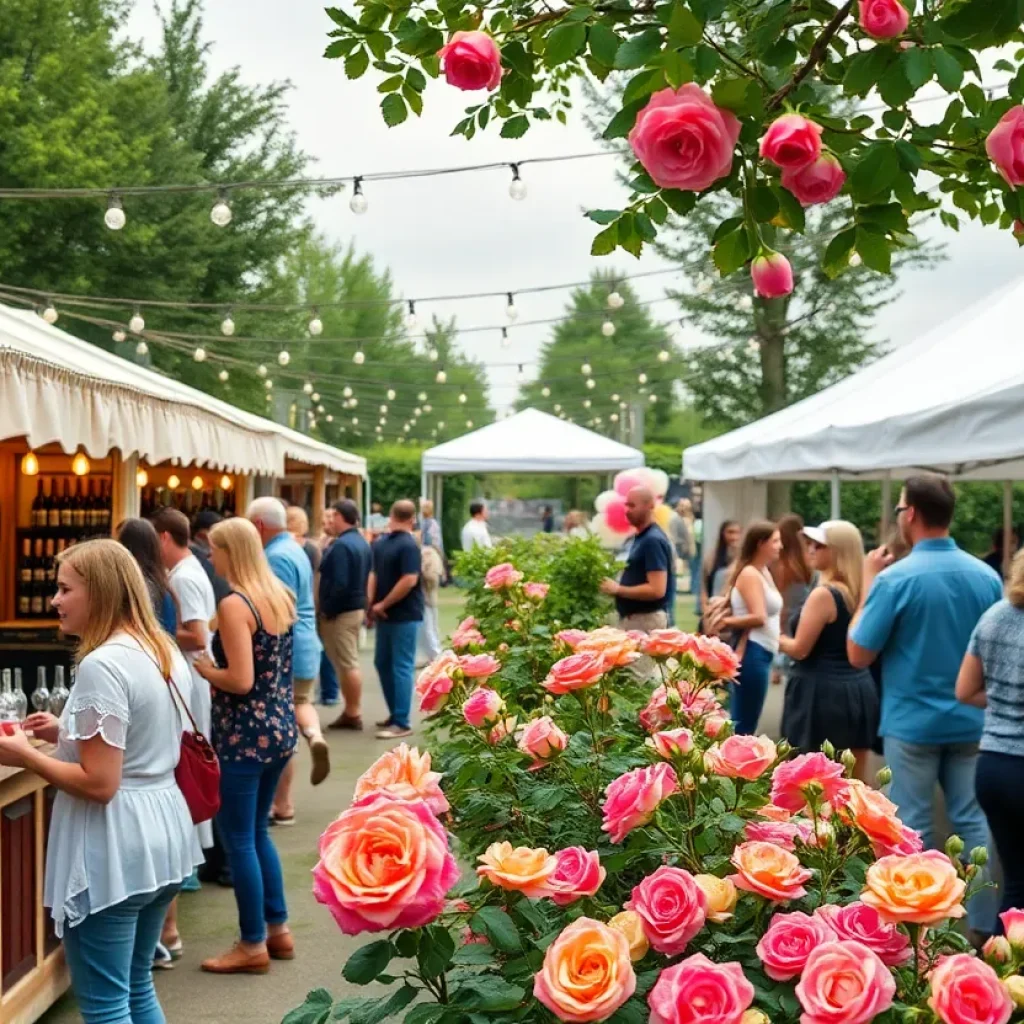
(101, 854)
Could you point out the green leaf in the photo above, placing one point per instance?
(683, 27)
(414, 99)
(983, 23)
(356, 64)
(475, 954)
(894, 87)
(883, 217)
(606, 241)
(315, 1010)
(514, 55)
(339, 48)
(731, 823)
(740, 95)
(790, 210)
(763, 203)
(866, 69)
(917, 65)
(489, 993)
(638, 51)
(679, 202)
(394, 110)
(657, 210)
(547, 798)
(974, 96)
(875, 172)
(731, 252)
(515, 127)
(622, 123)
(579, 12)
(632, 1012)
(874, 250)
(603, 216)
(379, 43)
(425, 1013)
(435, 953)
(604, 43)
(677, 69)
(496, 924)
(392, 84)
(385, 1009)
(367, 962)
(648, 232)
(563, 43)
(416, 79)
(837, 254)
(406, 943)
(642, 85)
(340, 17)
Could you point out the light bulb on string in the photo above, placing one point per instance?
(623, 405)
(227, 325)
(220, 212)
(557, 407)
(312, 424)
(591, 383)
(330, 418)
(114, 217)
(315, 396)
(615, 300)
(428, 408)
(358, 358)
(469, 423)
(352, 402)
(586, 369)
(29, 464)
(608, 329)
(141, 349)
(517, 190)
(504, 338)
(462, 398)
(268, 384)
(173, 481)
(119, 336)
(545, 392)
(137, 324)
(320, 408)
(316, 325)
(412, 321)
(226, 483)
(199, 355)
(80, 465)
(663, 356)
(50, 313)
(615, 396)
(307, 388)
(141, 478)
(587, 403)
(392, 394)
(223, 376)
(614, 417)
(641, 378)
(406, 427)
(652, 399)
(283, 357)
(383, 409)
(346, 392)
(510, 310)
(383, 421)
(355, 421)
(378, 430)
(441, 377)
(261, 370)
(358, 203)
(417, 411)
(421, 397)
(197, 483)
(440, 424)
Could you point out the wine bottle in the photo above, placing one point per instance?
(53, 507)
(38, 579)
(51, 576)
(20, 697)
(106, 503)
(78, 508)
(65, 507)
(39, 506)
(25, 579)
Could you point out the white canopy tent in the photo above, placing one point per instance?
(531, 441)
(55, 387)
(951, 401)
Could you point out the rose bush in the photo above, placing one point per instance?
(622, 861)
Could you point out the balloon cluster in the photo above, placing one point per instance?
(610, 524)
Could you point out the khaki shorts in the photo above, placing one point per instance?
(340, 637)
(302, 690)
(644, 621)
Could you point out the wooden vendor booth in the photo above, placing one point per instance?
(88, 439)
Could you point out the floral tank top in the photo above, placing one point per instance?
(258, 725)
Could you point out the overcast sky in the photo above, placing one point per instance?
(463, 233)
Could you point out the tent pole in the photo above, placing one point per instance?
(367, 494)
(835, 504)
(886, 505)
(438, 503)
(1008, 551)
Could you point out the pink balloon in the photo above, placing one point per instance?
(627, 480)
(615, 516)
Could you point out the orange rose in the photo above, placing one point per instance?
(922, 888)
(586, 973)
(721, 894)
(874, 815)
(403, 773)
(768, 870)
(522, 869)
(616, 647)
(631, 924)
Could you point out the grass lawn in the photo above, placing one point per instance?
(452, 599)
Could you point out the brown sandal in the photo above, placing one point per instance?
(281, 947)
(343, 721)
(237, 961)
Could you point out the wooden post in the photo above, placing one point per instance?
(1007, 527)
(318, 498)
(836, 505)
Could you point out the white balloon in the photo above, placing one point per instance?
(608, 537)
(660, 481)
(602, 501)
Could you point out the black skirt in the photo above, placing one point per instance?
(840, 706)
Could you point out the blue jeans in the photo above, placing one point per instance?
(916, 768)
(999, 785)
(110, 957)
(329, 691)
(395, 659)
(695, 572)
(246, 794)
(751, 688)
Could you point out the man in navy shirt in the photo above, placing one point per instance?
(395, 600)
(647, 588)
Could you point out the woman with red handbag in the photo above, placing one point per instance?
(121, 833)
(254, 734)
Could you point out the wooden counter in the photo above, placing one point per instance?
(33, 974)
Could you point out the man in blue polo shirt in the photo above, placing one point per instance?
(646, 590)
(918, 616)
(291, 566)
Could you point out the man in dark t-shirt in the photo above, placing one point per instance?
(647, 587)
(395, 602)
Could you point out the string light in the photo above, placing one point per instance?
(545, 392)
(197, 483)
(220, 212)
(355, 421)
(80, 465)
(608, 329)
(283, 357)
(615, 397)
(441, 377)
(469, 423)
(622, 405)
(119, 336)
(173, 481)
(412, 321)
(307, 388)
(352, 402)
(199, 355)
(652, 399)
(346, 392)
(417, 412)
(614, 417)
(223, 376)
(663, 356)
(320, 408)
(226, 483)
(114, 218)
(50, 314)
(30, 464)
(391, 394)
(462, 398)
(268, 384)
(261, 370)
(591, 383)
(517, 190)
(316, 325)
(227, 325)
(315, 396)
(421, 397)
(382, 421)
(586, 369)
(358, 358)
(428, 408)
(358, 203)
(137, 324)
(504, 337)
(642, 378)
(406, 427)
(141, 478)
(615, 300)
(330, 418)
(510, 310)
(587, 403)
(432, 354)
(557, 407)
(141, 349)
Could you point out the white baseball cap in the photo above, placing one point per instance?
(818, 533)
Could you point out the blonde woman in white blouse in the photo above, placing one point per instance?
(121, 833)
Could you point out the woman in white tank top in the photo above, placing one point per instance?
(756, 606)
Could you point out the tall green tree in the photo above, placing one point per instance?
(629, 368)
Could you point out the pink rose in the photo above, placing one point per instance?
(483, 708)
(857, 922)
(716, 656)
(792, 142)
(571, 637)
(435, 682)
(818, 182)
(769, 871)
(672, 906)
(714, 724)
(672, 743)
(997, 950)
(467, 635)
(967, 991)
(742, 757)
(883, 19)
(536, 591)
(632, 799)
(542, 740)
(781, 833)
(384, 864)
(789, 941)
(1005, 146)
(657, 712)
(578, 873)
(683, 140)
(844, 983)
(1013, 926)
(405, 774)
(772, 275)
(472, 61)
(575, 672)
(479, 666)
(699, 991)
(1017, 230)
(792, 781)
(501, 576)
(505, 728)
(666, 643)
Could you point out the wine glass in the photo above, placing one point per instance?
(20, 697)
(41, 695)
(60, 693)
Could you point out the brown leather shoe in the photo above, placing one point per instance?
(344, 721)
(321, 755)
(281, 947)
(238, 961)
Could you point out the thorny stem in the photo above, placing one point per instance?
(724, 53)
